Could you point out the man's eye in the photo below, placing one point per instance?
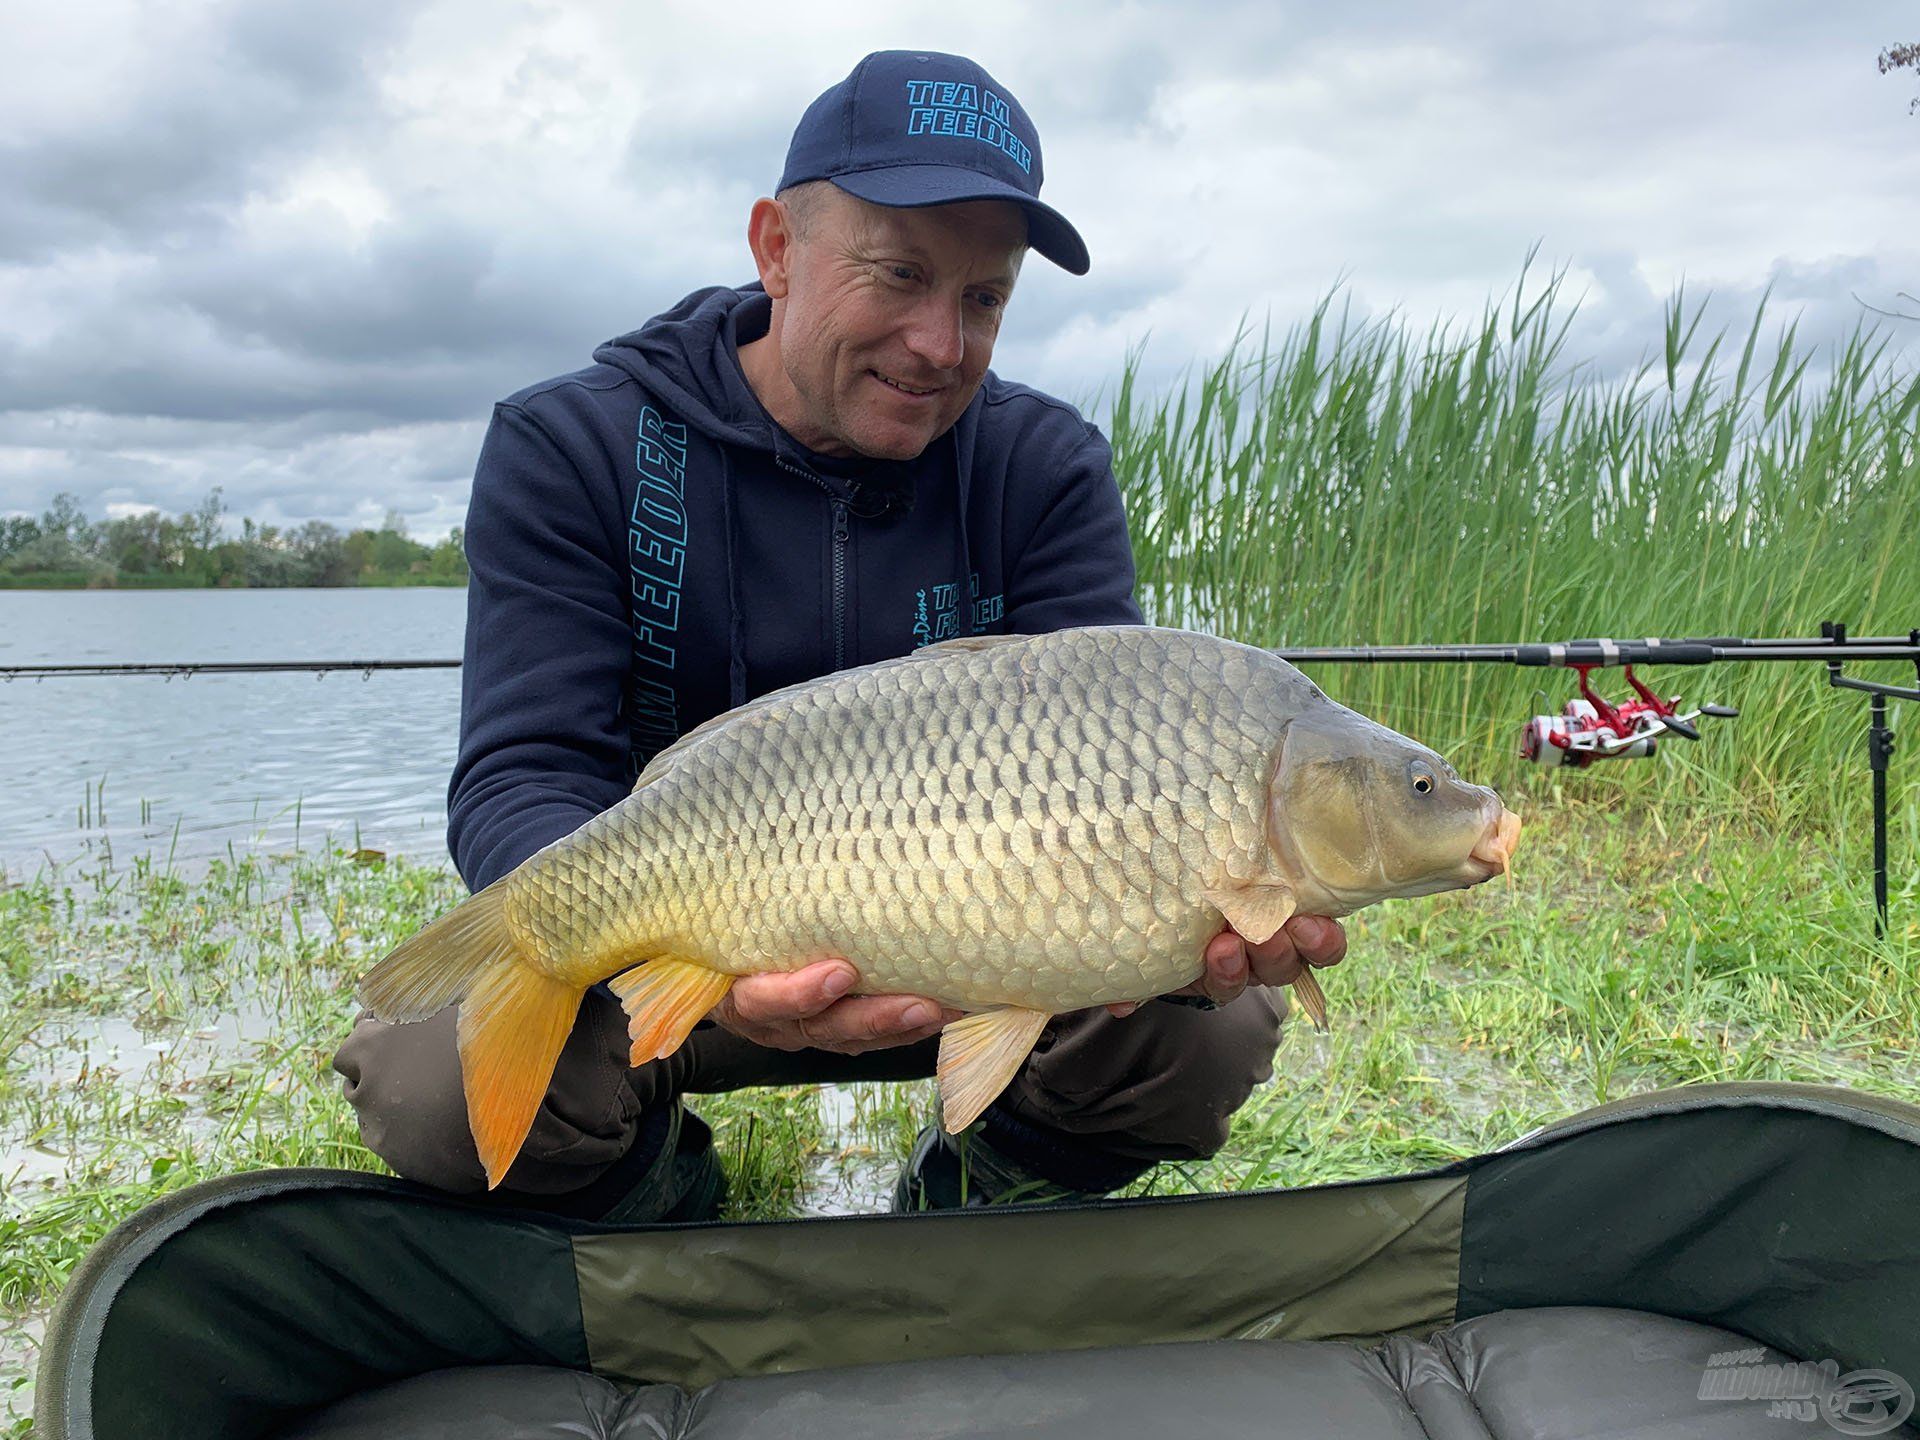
(901, 272)
(989, 301)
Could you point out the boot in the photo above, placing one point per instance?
(949, 1172)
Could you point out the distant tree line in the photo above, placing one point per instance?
(64, 548)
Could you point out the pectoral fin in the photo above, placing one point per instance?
(664, 999)
(978, 1055)
(1256, 911)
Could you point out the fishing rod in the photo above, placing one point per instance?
(1693, 651)
(1599, 653)
(1588, 729)
(1591, 728)
(187, 669)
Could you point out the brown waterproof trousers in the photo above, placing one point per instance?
(1100, 1096)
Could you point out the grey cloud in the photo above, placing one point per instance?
(736, 136)
(1235, 160)
(414, 294)
(431, 319)
(1619, 324)
(212, 107)
(349, 478)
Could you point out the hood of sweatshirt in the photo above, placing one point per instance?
(688, 356)
(586, 572)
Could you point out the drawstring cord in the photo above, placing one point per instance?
(736, 614)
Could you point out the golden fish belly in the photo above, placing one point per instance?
(969, 945)
(1038, 826)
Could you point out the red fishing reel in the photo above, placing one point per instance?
(1591, 729)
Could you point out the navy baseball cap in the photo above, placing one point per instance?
(912, 127)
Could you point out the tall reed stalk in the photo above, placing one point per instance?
(1356, 482)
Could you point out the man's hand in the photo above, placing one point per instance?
(1233, 963)
(804, 1009)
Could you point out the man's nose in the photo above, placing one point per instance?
(935, 333)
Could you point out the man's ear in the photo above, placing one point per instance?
(770, 237)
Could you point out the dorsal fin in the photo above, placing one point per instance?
(964, 642)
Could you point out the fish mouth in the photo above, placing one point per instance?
(1496, 847)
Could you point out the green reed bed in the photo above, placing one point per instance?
(1353, 482)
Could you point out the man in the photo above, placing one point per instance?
(761, 486)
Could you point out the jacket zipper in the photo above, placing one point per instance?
(842, 537)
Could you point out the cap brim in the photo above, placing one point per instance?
(908, 187)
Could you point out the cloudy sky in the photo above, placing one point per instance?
(296, 250)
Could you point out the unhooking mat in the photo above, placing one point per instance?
(1712, 1261)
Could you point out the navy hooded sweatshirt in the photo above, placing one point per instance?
(648, 548)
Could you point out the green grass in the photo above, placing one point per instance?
(1637, 948)
(97, 963)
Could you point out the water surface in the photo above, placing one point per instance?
(89, 763)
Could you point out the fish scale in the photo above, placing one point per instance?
(1013, 826)
(980, 900)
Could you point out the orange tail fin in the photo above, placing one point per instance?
(513, 1024)
(514, 1018)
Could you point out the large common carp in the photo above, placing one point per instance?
(1014, 826)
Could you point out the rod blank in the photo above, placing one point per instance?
(1650, 651)
(1598, 652)
(185, 668)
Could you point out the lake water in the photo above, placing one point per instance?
(88, 763)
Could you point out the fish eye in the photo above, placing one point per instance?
(1422, 778)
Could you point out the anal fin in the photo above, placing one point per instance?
(664, 999)
(978, 1056)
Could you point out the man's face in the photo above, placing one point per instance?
(888, 319)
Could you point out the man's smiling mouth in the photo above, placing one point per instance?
(901, 386)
